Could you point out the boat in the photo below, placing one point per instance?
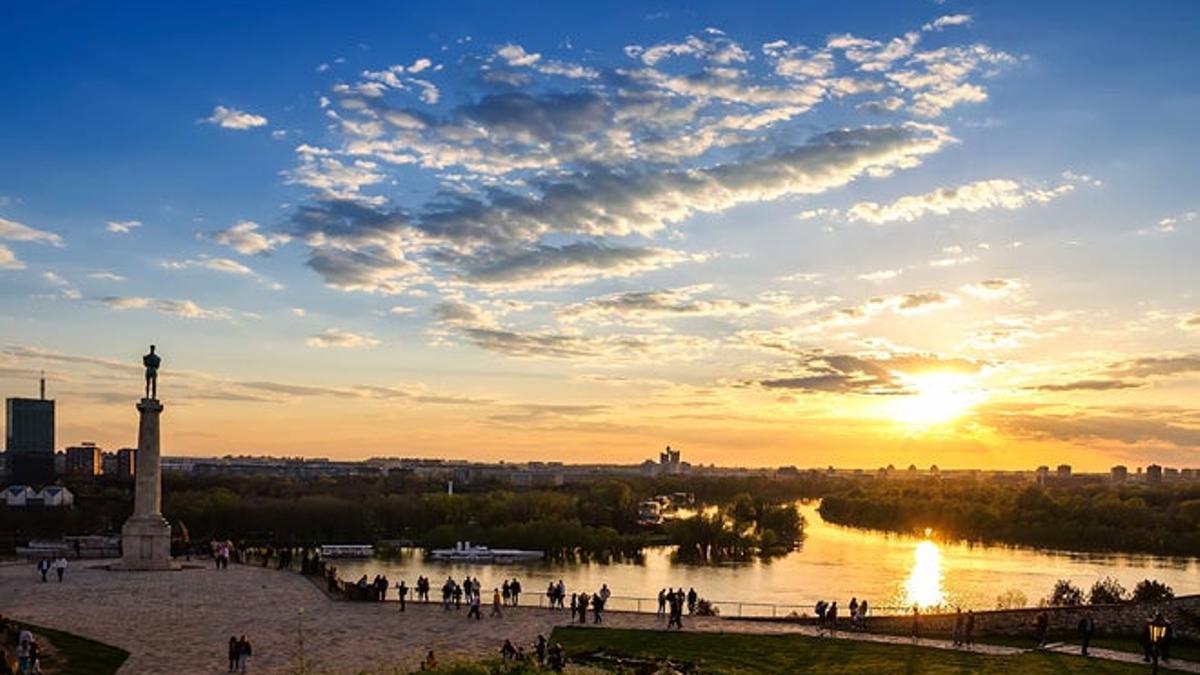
(347, 551)
(464, 551)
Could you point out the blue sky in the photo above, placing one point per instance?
(490, 229)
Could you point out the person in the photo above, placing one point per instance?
(675, 599)
(60, 567)
(233, 653)
(597, 607)
(604, 593)
(691, 600)
(508, 652)
(916, 622)
(862, 615)
(1147, 646)
(1042, 623)
(958, 626)
(562, 593)
(43, 567)
(515, 588)
(430, 662)
(583, 607)
(1087, 626)
(819, 609)
(540, 648)
(506, 592)
(662, 602)
(496, 603)
(473, 607)
(574, 605)
(558, 658)
(402, 590)
(831, 616)
(853, 612)
(244, 654)
(969, 631)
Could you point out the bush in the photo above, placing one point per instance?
(1011, 599)
(1065, 594)
(1107, 591)
(1149, 590)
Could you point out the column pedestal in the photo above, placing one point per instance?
(146, 536)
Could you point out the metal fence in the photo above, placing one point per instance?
(728, 608)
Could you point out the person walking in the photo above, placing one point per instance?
(60, 567)
(244, 654)
(473, 607)
(831, 616)
(402, 590)
(691, 600)
(597, 608)
(958, 627)
(233, 653)
(916, 623)
(496, 603)
(1087, 626)
(1041, 625)
(43, 567)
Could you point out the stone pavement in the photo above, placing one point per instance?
(180, 622)
(1124, 657)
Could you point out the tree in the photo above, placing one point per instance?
(1011, 599)
(1148, 590)
(1107, 591)
(1065, 594)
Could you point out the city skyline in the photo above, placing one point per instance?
(937, 233)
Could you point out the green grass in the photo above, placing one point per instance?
(735, 654)
(78, 655)
(1180, 649)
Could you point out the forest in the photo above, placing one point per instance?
(1091, 516)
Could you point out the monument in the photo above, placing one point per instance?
(146, 536)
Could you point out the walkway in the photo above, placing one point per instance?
(180, 622)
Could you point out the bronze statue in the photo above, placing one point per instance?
(152, 362)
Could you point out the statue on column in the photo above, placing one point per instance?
(152, 361)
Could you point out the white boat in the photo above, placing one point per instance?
(463, 551)
(347, 551)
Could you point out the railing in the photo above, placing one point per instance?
(728, 608)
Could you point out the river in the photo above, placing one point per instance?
(834, 563)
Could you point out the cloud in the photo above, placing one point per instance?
(917, 303)
(9, 260)
(946, 21)
(221, 265)
(244, 237)
(881, 275)
(1170, 224)
(1157, 366)
(819, 371)
(341, 339)
(121, 226)
(715, 49)
(105, 276)
(971, 197)
(15, 231)
(1089, 385)
(992, 289)
(570, 264)
(1190, 322)
(1083, 427)
(232, 118)
(182, 308)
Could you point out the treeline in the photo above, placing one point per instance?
(597, 519)
(744, 528)
(1159, 519)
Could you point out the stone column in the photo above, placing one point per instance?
(146, 536)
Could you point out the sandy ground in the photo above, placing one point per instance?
(180, 622)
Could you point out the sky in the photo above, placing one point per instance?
(790, 233)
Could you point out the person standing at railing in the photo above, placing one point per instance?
(691, 601)
(515, 589)
(662, 602)
(583, 607)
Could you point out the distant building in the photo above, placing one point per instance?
(126, 463)
(1170, 475)
(1042, 473)
(1118, 474)
(1154, 474)
(1063, 471)
(1187, 474)
(29, 439)
(85, 459)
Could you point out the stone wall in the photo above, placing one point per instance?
(1121, 619)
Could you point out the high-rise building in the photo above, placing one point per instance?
(1119, 474)
(29, 439)
(1063, 471)
(126, 462)
(1154, 474)
(84, 459)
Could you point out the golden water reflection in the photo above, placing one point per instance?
(923, 587)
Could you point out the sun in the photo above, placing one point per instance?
(937, 398)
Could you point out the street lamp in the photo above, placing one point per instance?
(1158, 635)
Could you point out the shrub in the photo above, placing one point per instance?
(1065, 594)
(1148, 590)
(1107, 591)
(1011, 599)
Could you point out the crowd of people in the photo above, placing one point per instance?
(828, 614)
(581, 602)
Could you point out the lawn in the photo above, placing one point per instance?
(734, 654)
(78, 655)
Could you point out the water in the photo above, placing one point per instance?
(834, 563)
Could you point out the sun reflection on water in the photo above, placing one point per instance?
(924, 584)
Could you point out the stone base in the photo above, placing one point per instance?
(146, 545)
